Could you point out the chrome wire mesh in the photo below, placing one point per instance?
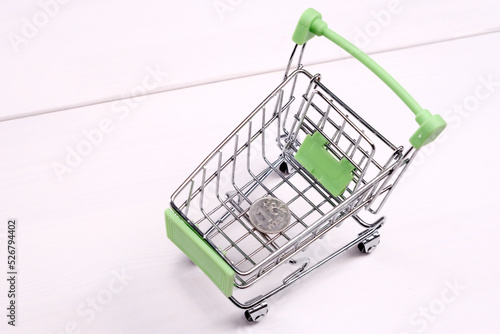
(248, 165)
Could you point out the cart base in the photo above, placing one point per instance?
(366, 242)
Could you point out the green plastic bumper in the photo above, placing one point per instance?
(188, 241)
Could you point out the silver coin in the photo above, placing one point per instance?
(269, 215)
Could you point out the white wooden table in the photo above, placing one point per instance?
(92, 249)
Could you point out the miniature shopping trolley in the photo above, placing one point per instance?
(306, 148)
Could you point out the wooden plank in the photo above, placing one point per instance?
(95, 257)
(93, 51)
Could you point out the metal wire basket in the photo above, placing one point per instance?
(305, 147)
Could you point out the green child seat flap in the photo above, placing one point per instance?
(333, 174)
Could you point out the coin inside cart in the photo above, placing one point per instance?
(269, 215)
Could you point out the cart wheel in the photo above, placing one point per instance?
(284, 168)
(369, 244)
(256, 313)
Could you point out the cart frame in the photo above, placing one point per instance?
(208, 219)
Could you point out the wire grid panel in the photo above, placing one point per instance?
(349, 137)
(345, 138)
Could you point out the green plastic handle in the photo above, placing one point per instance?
(430, 126)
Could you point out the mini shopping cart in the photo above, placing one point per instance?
(306, 147)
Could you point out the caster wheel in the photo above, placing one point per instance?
(369, 244)
(256, 313)
(284, 169)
